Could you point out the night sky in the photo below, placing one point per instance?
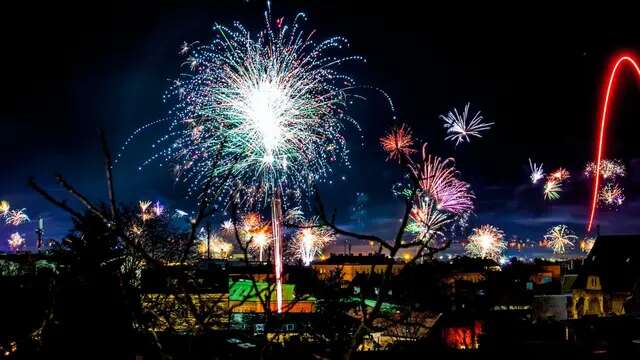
(536, 73)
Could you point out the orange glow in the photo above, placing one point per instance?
(603, 123)
(465, 337)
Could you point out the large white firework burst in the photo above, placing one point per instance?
(559, 238)
(460, 128)
(16, 241)
(487, 242)
(259, 111)
(308, 242)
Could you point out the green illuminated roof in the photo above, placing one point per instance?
(384, 308)
(243, 290)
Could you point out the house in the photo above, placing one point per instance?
(352, 265)
(171, 306)
(608, 277)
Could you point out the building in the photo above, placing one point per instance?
(243, 298)
(171, 307)
(608, 277)
(352, 265)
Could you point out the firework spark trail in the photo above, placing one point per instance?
(603, 123)
(460, 128)
(438, 179)
(559, 238)
(537, 173)
(16, 217)
(486, 242)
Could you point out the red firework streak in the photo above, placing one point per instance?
(276, 225)
(623, 59)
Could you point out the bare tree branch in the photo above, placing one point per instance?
(62, 204)
(83, 199)
(108, 167)
(331, 224)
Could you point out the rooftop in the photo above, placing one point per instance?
(616, 260)
(343, 259)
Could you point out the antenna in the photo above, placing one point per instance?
(40, 233)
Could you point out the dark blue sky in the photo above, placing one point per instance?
(536, 73)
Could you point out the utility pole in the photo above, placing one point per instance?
(208, 229)
(40, 234)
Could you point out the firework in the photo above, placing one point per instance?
(144, 205)
(16, 241)
(260, 240)
(425, 220)
(4, 207)
(181, 213)
(268, 107)
(256, 233)
(136, 229)
(587, 244)
(438, 179)
(227, 227)
(559, 238)
(460, 128)
(16, 217)
(611, 195)
(398, 143)
(186, 47)
(561, 174)
(536, 172)
(157, 209)
(609, 169)
(359, 210)
(486, 242)
(252, 221)
(552, 189)
(253, 231)
(294, 215)
(308, 242)
(261, 113)
(218, 248)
